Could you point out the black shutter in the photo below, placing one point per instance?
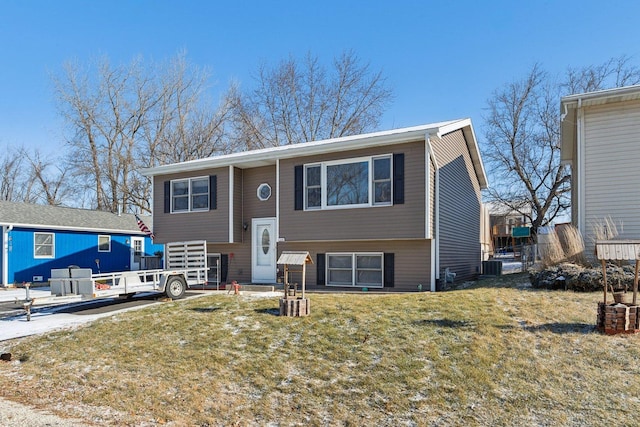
(299, 187)
(167, 196)
(213, 192)
(398, 179)
(388, 270)
(320, 266)
(224, 268)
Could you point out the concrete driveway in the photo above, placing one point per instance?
(14, 324)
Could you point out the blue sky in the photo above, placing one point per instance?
(443, 59)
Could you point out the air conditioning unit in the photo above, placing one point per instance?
(492, 268)
(37, 279)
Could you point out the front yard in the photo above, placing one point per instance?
(495, 353)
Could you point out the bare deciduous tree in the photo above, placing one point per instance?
(49, 178)
(27, 176)
(296, 102)
(14, 180)
(123, 118)
(131, 116)
(522, 137)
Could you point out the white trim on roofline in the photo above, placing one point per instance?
(625, 92)
(269, 155)
(63, 228)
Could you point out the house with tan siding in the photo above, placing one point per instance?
(390, 210)
(600, 140)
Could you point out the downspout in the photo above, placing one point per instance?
(231, 203)
(278, 238)
(580, 167)
(278, 200)
(566, 112)
(430, 233)
(5, 254)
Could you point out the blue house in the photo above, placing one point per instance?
(37, 238)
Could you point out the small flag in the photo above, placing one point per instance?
(142, 226)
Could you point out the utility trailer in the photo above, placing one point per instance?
(186, 266)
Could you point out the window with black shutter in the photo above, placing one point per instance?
(350, 183)
(190, 194)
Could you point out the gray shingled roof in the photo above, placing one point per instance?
(54, 217)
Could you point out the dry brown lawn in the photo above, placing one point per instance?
(494, 353)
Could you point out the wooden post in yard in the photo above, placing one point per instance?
(635, 284)
(604, 278)
(304, 275)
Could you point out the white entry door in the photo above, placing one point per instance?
(137, 250)
(263, 250)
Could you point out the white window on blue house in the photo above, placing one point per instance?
(355, 269)
(104, 243)
(43, 245)
(351, 183)
(188, 195)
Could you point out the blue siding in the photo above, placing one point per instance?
(70, 248)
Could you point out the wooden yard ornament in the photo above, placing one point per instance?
(291, 304)
(618, 317)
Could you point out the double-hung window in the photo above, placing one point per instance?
(104, 243)
(313, 188)
(188, 195)
(44, 245)
(382, 180)
(355, 269)
(359, 182)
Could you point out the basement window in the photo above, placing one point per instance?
(355, 269)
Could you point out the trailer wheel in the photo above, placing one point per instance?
(175, 288)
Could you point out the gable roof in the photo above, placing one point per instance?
(268, 156)
(570, 104)
(28, 215)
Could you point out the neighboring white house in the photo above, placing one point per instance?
(600, 140)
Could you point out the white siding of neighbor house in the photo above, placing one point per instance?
(612, 168)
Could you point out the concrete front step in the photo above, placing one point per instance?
(249, 287)
(260, 288)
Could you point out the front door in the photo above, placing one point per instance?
(263, 250)
(137, 250)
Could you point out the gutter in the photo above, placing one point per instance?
(602, 94)
(311, 148)
(135, 231)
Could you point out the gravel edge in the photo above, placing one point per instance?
(14, 414)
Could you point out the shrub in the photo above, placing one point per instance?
(579, 278)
